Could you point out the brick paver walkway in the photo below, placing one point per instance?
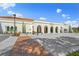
(27, 46)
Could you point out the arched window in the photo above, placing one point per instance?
(11, 28)
(51, 29)
(56, 29)
(8, 28)
(38, 29)
(45, 29)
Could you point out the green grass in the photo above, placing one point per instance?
(76, 53)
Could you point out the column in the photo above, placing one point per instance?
(49, 29)
(54, 29)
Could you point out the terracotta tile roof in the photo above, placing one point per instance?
(17, 18)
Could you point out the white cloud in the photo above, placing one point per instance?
(17, 14)
(7, 5)
(68, 17)
(64, 15)
(10, 12)
(71, 22)
(74, 23)
(59, 10)
(42, 18)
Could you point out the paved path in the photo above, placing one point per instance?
(59, 44)
(7, 44)
(56, 44)
(55, 35)
(26, 46)
(3, 37)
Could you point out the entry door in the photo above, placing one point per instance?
(24, 28)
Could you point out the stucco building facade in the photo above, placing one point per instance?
(30, 26)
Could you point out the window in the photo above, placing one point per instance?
(8, 28)
(11, 28)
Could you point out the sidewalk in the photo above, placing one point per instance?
(7, 44)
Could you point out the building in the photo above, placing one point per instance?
(30, 26)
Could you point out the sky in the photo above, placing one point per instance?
(52, 12)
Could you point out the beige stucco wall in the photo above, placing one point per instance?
(48, 24)
(29, 25)
(10, 22)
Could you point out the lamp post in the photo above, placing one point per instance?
(14, 22)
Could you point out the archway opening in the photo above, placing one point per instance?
(56, 29)
(45, 29)
(38, 29)
(12, 29)
(51, 29)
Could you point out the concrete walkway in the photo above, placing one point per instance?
(3, 37)
(59, 44)
(55, 35)
(56, 44)
(7, 44)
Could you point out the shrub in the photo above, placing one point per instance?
(76, 53)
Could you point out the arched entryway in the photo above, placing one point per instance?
(61, 29)
(65, 30)
(51, 29)
(38, 29)
(56, 29)
(12, 29)
(45, 29)
(23, 27)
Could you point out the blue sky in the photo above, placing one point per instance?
(57, 12)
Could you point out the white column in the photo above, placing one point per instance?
(35, 28)
(49, 29)
(63, 30)
(59, 29)
(54, 29)
(42, 28)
